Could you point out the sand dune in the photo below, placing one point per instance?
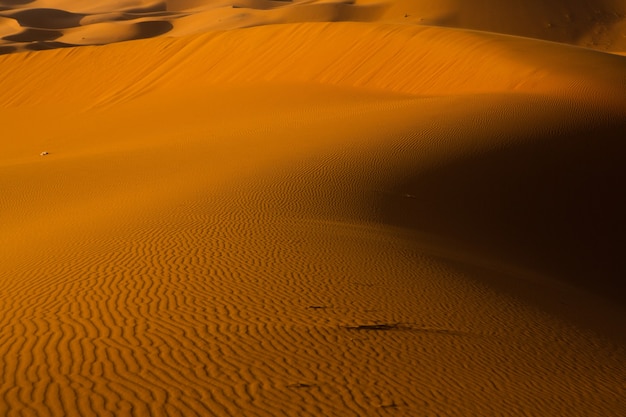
(400, 59)
(596, 25)
(37, 25)
(311, 218)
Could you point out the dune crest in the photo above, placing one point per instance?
(33, 23)
(592, 24)
(401, 59)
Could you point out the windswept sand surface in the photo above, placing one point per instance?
(312, 208)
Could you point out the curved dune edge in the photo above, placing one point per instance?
(210, 237)
(399, 59)
(112, 22)
(599, 25)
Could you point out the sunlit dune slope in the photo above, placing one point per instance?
(41, 24)
(337, 219)
(401, 59)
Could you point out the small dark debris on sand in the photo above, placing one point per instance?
(383, 326)
(300, 385)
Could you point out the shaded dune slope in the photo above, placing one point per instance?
(593, 24)
(546, 198)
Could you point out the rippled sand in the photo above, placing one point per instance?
(312, 208)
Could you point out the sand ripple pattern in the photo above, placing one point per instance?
(275, 289)
(295, 219)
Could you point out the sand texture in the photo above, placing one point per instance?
(312, 208)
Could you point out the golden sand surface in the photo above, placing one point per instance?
(312, 208)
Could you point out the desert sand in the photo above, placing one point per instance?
(312, 208)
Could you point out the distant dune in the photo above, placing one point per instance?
(312, 208)
(50, 24)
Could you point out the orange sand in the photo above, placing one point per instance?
(312, 208)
